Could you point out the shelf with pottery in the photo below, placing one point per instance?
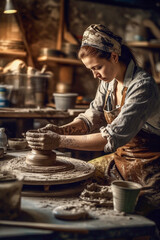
(152, 48)
(50, 60)
(143, 44)
(66, 66)
(17, 53)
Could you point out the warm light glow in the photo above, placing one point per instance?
(9, 8)
(10, 11)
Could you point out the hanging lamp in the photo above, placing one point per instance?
(9, 8)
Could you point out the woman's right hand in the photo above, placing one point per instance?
(53, 128)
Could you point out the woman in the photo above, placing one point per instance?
(124, 117)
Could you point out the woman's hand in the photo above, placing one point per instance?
(53, 128)
(43, 139)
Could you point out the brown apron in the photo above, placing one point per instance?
(138, 160)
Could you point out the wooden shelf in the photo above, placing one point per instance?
(143, 44)
(13, 53)
(52, 60)
(42, 113)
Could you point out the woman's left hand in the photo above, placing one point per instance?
(43, 140)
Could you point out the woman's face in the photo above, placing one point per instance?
(102, 68)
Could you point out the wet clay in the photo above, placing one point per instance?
(65, 170)
(70, 212)
(98, 194)
(41, 158)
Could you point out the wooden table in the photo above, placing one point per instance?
(37, 213)
(26, 116)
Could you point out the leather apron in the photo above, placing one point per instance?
(138, 160)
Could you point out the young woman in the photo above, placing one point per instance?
(124, 117)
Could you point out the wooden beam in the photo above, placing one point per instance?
(61, 26)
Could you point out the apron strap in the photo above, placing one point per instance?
(123, 96)
(122, 100)
(108, 92)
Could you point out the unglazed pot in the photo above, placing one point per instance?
(17, 143)
(41, 158)
(10, 196)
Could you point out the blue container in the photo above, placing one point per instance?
(3, 99)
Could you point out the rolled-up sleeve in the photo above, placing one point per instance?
(141, 108)
(140, 105)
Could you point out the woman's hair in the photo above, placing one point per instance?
(126, 54)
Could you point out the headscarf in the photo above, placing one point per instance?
(100, 37)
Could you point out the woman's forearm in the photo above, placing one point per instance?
(76, 127)
(90, 142)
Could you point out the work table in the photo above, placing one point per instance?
(25, 116)
(105, 224)
(38, 112)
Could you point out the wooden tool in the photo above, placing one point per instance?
(44, 226)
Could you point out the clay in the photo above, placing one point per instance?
(98, 194)
(94, 210)
(65, 171)
(17, 143)
(93, 199)
(71, 212)
(80, 171)
(10, 197)
(41, 158)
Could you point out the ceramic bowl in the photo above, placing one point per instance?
(17, 143)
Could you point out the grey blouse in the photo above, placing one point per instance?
(141, 109)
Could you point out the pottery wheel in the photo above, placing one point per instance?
(66, 170)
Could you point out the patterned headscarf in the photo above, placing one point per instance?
(100, 37)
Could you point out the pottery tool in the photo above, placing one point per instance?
(44, 226)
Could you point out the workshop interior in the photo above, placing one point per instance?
(50, 193)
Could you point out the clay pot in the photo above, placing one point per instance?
(41, 158)
(17, 143)
(10, 197)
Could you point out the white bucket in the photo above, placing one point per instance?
(125, 195)
(65, 101)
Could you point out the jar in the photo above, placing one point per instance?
(3, 139)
